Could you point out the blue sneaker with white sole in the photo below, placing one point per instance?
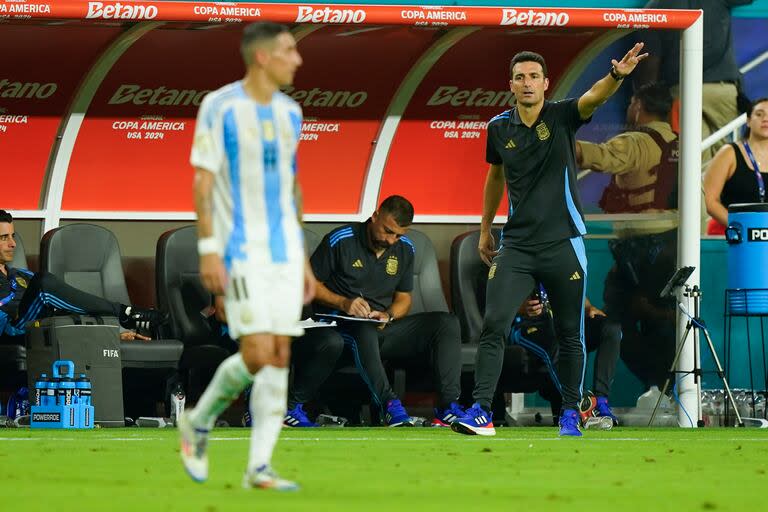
(297, 418)
(396, 415)
(569, 423)
(444, 417)
(476, 421)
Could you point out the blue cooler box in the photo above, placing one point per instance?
(747, 237)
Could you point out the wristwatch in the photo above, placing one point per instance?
(391, 316)
(615, 75)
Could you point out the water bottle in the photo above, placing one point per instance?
(53, 388)
(598, 423)
(647, 401)
(66, 391)
(328, 420)
(83, 390)
(177, 403)
(41, 389)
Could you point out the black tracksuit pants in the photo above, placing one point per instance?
(433, 338)
(604, 335)
(47, 292)
(601, 334)
(561, 267)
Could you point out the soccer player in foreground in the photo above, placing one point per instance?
(531, 148)
(250, 244)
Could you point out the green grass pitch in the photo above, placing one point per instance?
(525, 469)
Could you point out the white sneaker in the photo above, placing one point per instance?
(266, 478)
(194, 445)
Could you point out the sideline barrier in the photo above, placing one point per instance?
(219, 12)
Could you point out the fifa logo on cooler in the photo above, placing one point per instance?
(110, 353)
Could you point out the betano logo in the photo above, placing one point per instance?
(455, 97)
(120, 11)
(28, 90)
(308, 14)
(319, 98)
(131, 93)
(533, 18)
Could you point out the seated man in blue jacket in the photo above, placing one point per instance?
(27, 296)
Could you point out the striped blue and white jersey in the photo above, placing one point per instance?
(251, 149)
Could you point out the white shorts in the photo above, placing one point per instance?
(265, 298)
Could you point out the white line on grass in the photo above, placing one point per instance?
(396, 439)
(80, 439)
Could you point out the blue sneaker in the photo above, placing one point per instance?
(476, 421)
(296, 417)
(603, 409)
(396, 416)
(444, 417)
(569, 423)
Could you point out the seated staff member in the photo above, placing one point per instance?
(27, 296)
(365, 270)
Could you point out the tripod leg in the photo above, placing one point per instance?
(672, 372)
(697, 376)
(721, 374)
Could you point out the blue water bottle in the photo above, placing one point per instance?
(41, 389)
(66, 391)
(50, 395)
(83, 401)
(64, 371)
(83, 390)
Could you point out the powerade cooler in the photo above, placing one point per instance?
(747, 237)
(62, 401)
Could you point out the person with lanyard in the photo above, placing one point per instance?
(739, 171)
(531, 149)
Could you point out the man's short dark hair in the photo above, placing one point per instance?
(656, 99)
(258, 32)
(527, 56)
(6, 217)
(400, 208)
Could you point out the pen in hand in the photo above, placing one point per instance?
(365, 312)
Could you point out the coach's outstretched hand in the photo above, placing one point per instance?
(630, 60)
